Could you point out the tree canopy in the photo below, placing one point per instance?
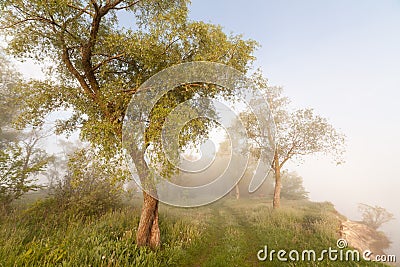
(292, 186)
(97, 65)
(374, 216)
(299, 132)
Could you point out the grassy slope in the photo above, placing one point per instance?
(226, 233)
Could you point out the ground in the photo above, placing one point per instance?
(229, 232)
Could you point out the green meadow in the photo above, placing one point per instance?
(228, 232)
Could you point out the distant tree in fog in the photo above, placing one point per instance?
(20, 156)
(292, 186)
(298, 133)
(374, 216)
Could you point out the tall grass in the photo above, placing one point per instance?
(226, 233)
(41, 236)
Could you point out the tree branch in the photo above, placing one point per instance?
(76, 74)
(107, 60)
(287, 156)
(16, 23)
(127, 6)
(83, 10)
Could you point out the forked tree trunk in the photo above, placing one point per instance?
(148, 233)
(278, 183)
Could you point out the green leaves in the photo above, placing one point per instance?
(309, 133)
(299, 132)
(20, 157)
(97, 66)
(16, 169)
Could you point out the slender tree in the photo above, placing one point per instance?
(20, 156)
(97, 66)
(298, 133)
(20, 163)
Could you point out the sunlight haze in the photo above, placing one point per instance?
(341, 58)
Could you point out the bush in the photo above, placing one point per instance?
(92, 184)
(91, 197)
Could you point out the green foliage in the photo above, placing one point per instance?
(97, 65)
(92, 184)
(8, 106)
(299, 132)
(20, 157)
(14, 174)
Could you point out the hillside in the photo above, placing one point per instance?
(227, 233)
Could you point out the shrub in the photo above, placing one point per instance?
(92, 184)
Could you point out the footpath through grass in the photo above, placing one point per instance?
(227, 233)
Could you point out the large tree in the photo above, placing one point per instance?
(96, 65)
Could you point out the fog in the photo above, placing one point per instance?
(368, 176)
(345, 185)
(340, 58)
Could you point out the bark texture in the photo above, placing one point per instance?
(148, 233)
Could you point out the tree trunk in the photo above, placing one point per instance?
(237, 190)
(278, 184)
(148, 233)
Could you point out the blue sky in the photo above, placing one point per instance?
(341, 58)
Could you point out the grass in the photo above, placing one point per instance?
(227, 233)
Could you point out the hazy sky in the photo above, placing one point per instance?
(341, 58)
